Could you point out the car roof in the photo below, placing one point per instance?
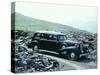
(50, 32)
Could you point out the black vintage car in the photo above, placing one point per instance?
(57, 42)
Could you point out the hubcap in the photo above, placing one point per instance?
(72, 55)
(35, 47)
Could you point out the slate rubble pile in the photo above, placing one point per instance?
(27, 61)
(87, 37)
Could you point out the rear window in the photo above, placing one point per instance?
(37, 35)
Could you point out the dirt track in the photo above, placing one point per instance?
(70, 65)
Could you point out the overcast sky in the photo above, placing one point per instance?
(81, 17)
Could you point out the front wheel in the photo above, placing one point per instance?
(73, 56)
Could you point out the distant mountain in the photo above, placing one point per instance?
(31, 24)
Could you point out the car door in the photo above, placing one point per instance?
(52, 42)
(43, 41)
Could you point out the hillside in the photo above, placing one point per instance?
(31, 24)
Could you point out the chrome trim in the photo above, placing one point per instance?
(85, 54)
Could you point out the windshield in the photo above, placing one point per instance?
(62, 37)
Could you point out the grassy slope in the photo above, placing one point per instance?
(30, 24)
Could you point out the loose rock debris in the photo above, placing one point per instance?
(27, 61)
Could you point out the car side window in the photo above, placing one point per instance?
(49, 37)
(43, 36)
(52, 37)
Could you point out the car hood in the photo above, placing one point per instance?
(70, 41)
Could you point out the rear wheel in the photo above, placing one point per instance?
(73, 56)
(35, 48)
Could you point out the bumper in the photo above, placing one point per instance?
(85, 54)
